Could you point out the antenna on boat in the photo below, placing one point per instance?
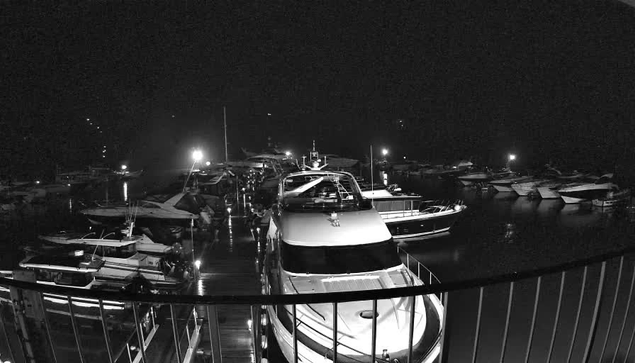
(372, 182)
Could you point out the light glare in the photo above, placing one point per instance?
(197, 155)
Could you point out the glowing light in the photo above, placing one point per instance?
(287, 153)
(197, 263)
(87, 119)
(208, 163)
(78, 253)
(124, 167)
(229, 210)
(197, 155)
(512, 157)
(37, 182)
(384, 152)
(268, 114)
(249, 323)
(125, 191)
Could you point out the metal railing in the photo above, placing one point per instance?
(575, 312)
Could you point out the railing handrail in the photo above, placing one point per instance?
(314, 298)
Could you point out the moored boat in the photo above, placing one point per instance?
(325, 237)
(613, 199)
(409, 217)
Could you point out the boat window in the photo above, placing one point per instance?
(73, 279)
(148, 205)
(339, 259)
(382, 206)
(43, 275)
(117, 252)
(312, 192)
(188, 204)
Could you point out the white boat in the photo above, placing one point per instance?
(613, 199)
(122, 261)
(144, 244)
(71, 270)
(325, 237)
(527, 187)
(581, 192)
(182, 206)
(474, 177)
(408, 216)
(505, 184)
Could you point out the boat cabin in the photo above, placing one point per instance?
(72, 271)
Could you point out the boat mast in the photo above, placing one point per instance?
(225, 128)
(372, 182)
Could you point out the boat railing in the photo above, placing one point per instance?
(586, 306)
(418, 268)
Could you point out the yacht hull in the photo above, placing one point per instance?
(422, 225)
(314, 347)
(548, 193)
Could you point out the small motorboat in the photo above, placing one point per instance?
(613, 199)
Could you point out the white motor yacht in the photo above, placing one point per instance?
(581, 192)
(325, 237)
(162, 269)
(179, 207)
(408, 216)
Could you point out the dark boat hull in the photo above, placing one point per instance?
(421, 227)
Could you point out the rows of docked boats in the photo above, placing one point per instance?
(572, 188)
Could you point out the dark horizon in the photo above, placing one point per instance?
(547, 81)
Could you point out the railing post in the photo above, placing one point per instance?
(373, 344)
(444, 348)
(214, 333)
(628, 306)
(577, 316)
(48, 330)
(617, 290)
(478, 323)
(533, 319)
(411, 330)
(334, 332)
(175, 335)
(596, 314)
(557, 318)
(142, 348)
(75, 330)
(509, 311)
(104, 325)
(295, 333)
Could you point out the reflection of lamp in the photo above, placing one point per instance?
(197, 155)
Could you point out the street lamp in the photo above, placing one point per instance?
(510, 158)
(124, 167)
(287, 153)
(384, 152)
(208, 163)
(197, 155)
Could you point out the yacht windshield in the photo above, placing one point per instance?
(340, 259)
(308, 192)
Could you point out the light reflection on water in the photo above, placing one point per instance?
(125, 191)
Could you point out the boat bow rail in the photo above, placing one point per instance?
(603, 285)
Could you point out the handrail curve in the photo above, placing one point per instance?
(314, 298)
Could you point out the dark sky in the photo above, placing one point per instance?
(544, 79)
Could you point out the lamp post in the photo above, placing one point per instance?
(510, 158)
(197, 155)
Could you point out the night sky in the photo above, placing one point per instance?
(546, 80)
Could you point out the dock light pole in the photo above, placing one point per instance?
(510, 158)
(197, 155)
